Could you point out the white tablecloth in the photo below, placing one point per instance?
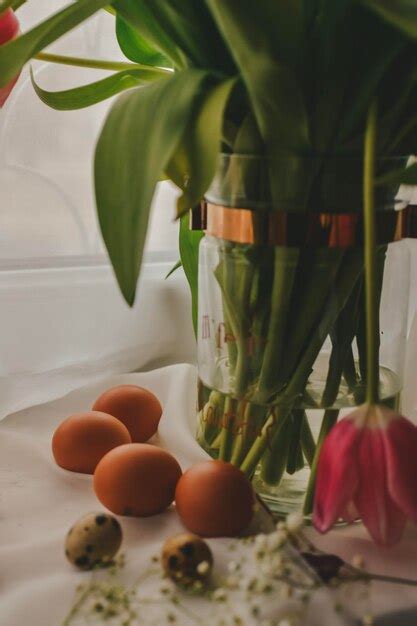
(39, 502)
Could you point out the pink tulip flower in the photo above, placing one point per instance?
(368, 469)
(9, 29)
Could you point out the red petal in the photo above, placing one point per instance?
(337, 475)
(9, 26)
(400, 442)
(382, 517)
(9, 29)
(351, 513)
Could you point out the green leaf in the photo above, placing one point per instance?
(87, 95)
(173, 269)
(311, 10)
(400, 13)
(139, 15)
(16, 53)
(269, 28)
(201, 145)
(407, 176)
(263, 36)
(189, 246)
(190, 25)
(11, 4)
(343, 92)
(136, 48)
(248, 139)
(378, 46)
(139, 136)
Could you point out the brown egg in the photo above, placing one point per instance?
(136, 479)
(138, 409)
(83, 439)
(215, 499)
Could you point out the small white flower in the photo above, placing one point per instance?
(277, 539)
(232, 582)
(219, 594)
(285, 592)
(358, 561)
(250, 583)
(261, 541)
(203, 567)
(295, 522)
(233, 566)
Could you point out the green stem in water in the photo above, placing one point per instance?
(348, 276)
(228, 429)
(274, 461)
(210, 419)
(96, 64)
(372, 383)
(295, 461)
(307, 441)
(329, 420)
(254, 417)
(269, 434)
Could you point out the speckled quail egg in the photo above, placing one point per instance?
(187, 559)
(93, 541)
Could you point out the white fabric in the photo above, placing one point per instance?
(39, 502)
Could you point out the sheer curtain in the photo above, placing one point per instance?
(63, 319)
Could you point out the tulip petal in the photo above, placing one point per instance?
(9, 26)
(351, 513)
(380, 514)
(337, 475)
(400, 441)
(9, 29)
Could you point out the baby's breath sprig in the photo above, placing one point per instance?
(269, 580)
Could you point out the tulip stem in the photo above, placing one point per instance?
(97, 64)
(329, 420)
(372, 382)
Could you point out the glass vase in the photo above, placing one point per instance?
(281, 325)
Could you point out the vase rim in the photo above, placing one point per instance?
(308, 157)
(323, 183)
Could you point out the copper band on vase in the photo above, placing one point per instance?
(330, 230)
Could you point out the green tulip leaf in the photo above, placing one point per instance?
(11, 4)
(14, 54)
(139, 136)
(173, 269)
(400, 13)
(87, 95)
(407, 176)
(189, 241)
(201, 145)
(190, 25)
(140, 16)
(264, 38)
(136, 48)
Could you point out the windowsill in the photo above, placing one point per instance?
(65, 326)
